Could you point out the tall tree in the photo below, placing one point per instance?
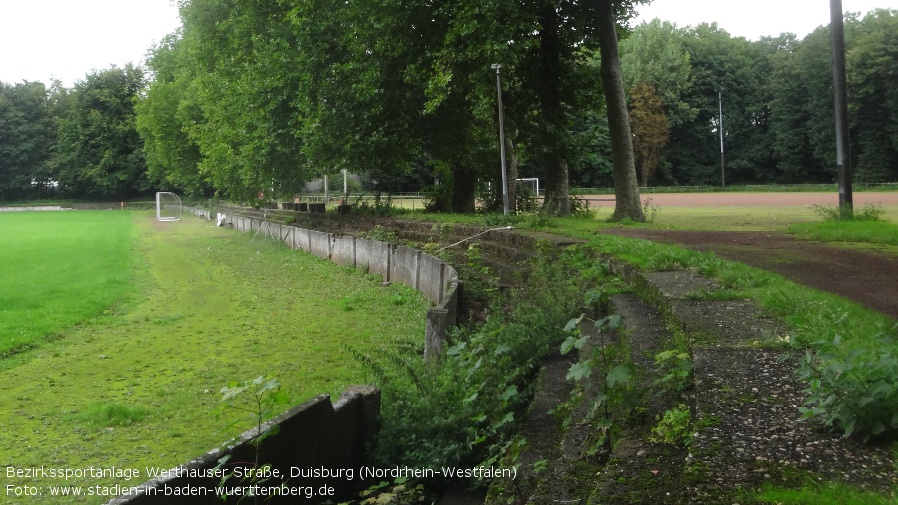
(721, 64)
(801, 117)
(626, 189)
(650, 130)
(99, 152)
(873, 94)
(165, 114)
(27, 135)
(655, 54)
(244, 62)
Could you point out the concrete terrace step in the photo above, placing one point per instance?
(543, 471)
(748, 429)
(639, 471)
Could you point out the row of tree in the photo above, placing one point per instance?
(264, 95)
(253, 96)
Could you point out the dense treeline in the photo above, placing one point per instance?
(79, 142)
(778, 118)
(263, 96)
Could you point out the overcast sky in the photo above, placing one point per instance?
(66, 39)
(754, 19)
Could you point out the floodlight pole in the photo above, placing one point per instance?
(720, 128)
(497, 67)
(840, 92)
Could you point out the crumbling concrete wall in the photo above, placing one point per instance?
(316, 435)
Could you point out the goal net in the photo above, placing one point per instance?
(168, 207)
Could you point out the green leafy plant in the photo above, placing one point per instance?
(257, 398)
(854, 390)
(649, 210)
(378, 206)
(580, 207)
(526, 200)
(674, 427)
(603, 356)
(380, 233)
(466, 410)
(676, 369)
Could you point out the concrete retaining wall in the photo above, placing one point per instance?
(314, 435)
(434, 278)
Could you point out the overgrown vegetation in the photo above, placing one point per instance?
(855, 389)
(465, 410)
(813, 317)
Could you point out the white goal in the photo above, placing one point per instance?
(168, 206)
(532, 183)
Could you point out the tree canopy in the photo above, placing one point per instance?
(251, 96)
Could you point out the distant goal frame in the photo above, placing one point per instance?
(164, 209)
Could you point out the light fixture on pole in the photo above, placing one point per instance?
(497, 67)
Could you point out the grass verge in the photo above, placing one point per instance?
(870, 232)
(824, 494)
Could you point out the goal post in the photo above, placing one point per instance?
(168, 206)
(530, 182)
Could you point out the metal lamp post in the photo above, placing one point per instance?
(497, 67)
(720, 127)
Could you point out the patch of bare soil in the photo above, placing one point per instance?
(868, 278)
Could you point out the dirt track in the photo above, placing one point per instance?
(868, 278)
(760, 199)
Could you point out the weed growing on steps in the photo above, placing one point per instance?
(676, 369)
(607, 358)
(674, 427)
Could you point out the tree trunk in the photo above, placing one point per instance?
(464, 186)
(626, 189)
(553, 128)
(512, 166)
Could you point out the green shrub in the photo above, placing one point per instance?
(526, 201)
(853, 390)
(869, 212)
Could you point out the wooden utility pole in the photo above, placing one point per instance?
(840, 89)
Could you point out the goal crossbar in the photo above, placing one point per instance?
(168, 206)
